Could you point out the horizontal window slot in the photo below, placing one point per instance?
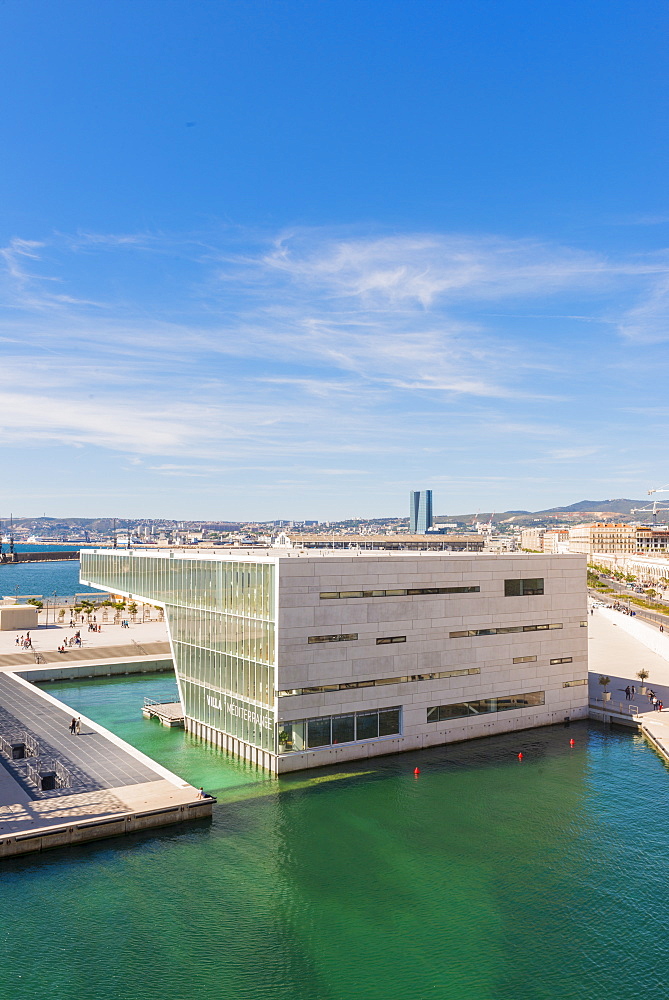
(505, 630)
(344, 595)
(388, 639)
(378, 682)
(562, 659)
(346, 637)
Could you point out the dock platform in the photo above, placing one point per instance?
(170, 713)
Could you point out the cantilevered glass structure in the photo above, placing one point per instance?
(221, 616)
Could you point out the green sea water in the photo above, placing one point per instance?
(484, 878)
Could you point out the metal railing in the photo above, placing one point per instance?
(45, 766)
(9, 740)
(619, 707)
(148, 702)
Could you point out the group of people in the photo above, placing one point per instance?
(655, 701)
(75, 726)
(92, 627)
(25, 642)
(630, 692)
(74, 640)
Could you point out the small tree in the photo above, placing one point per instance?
(604, 682)
(643, 677)
(132, 609)
(38, 604)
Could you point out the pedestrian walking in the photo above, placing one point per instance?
(633, 690)
(78, 724)
(628, 692)
(653, 702)
(73, 726)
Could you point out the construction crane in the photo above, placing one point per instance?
(654, 508)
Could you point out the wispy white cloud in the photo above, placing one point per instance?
(354, 352)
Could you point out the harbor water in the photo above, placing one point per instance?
(42, 577)
(485, 877)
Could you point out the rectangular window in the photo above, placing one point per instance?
(331, 595)
(524, 659)
(367, 725)
(562, 659)
(485, 706)
(584, 624)
(573, 684)
(318, 732)
(389, 722)
(503, 630)
(333, 638)
(390, 638)
(343, 728)
(524, 588)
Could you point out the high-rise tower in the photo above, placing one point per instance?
(420, 511)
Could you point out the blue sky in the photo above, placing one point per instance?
(293, 259)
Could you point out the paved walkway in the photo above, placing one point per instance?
(619, 647)
(111, 780)
(92, 761)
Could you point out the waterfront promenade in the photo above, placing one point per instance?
(141, 643)
(619, 647)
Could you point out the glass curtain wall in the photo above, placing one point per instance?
(222, 618)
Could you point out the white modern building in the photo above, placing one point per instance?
(295, 659)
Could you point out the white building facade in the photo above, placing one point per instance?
(298, 659)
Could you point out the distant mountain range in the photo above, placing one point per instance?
(588, 509)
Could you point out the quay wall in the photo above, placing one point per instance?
(21, 557)
(110, 668)
(79, 833)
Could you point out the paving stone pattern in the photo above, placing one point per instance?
(84, 653)
(94, 762)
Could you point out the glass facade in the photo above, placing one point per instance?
(222, 619)
(329, 730)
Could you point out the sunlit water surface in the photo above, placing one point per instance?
(484, 878)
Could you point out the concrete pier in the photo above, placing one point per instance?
(110, 789)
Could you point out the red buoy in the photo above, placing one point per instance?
(520, 756)
(572, 743)
(416, 770)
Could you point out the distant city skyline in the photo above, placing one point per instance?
(287, 261)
